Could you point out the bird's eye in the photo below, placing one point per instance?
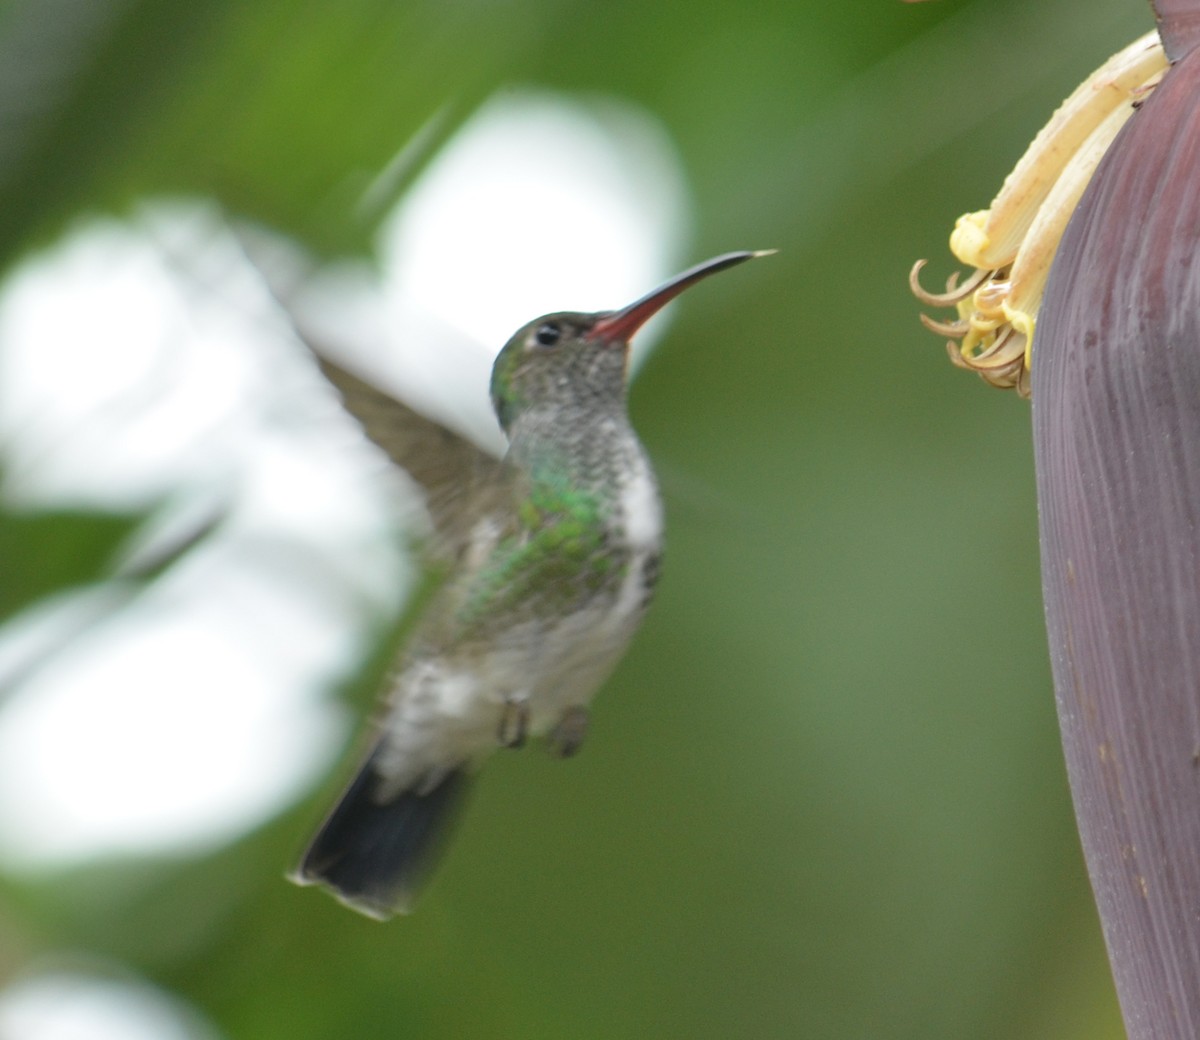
(547, 335)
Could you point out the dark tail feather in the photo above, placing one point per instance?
(373, 854)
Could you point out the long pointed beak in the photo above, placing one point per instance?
(621, 325)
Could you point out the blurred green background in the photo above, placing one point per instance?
(823, 795)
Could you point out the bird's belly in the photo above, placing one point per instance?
(561, 665)
(447, 708)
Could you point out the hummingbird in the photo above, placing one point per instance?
(549, 558)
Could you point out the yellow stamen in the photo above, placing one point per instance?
(1013, 243)
(992, 237)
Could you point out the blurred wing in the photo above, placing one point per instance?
(458, 479)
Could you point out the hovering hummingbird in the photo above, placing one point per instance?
(550, 558)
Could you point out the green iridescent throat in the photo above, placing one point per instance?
(559, 556)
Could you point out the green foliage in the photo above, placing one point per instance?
(50, 552)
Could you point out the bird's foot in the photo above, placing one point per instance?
(514, 723)
(567, 736)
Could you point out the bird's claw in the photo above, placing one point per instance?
(567, 736)
(514, 724)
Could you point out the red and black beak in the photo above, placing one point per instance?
(619, 326)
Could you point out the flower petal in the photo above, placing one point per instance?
(1178, 24)
(1117, 444)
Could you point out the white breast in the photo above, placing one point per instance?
(641, 508)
